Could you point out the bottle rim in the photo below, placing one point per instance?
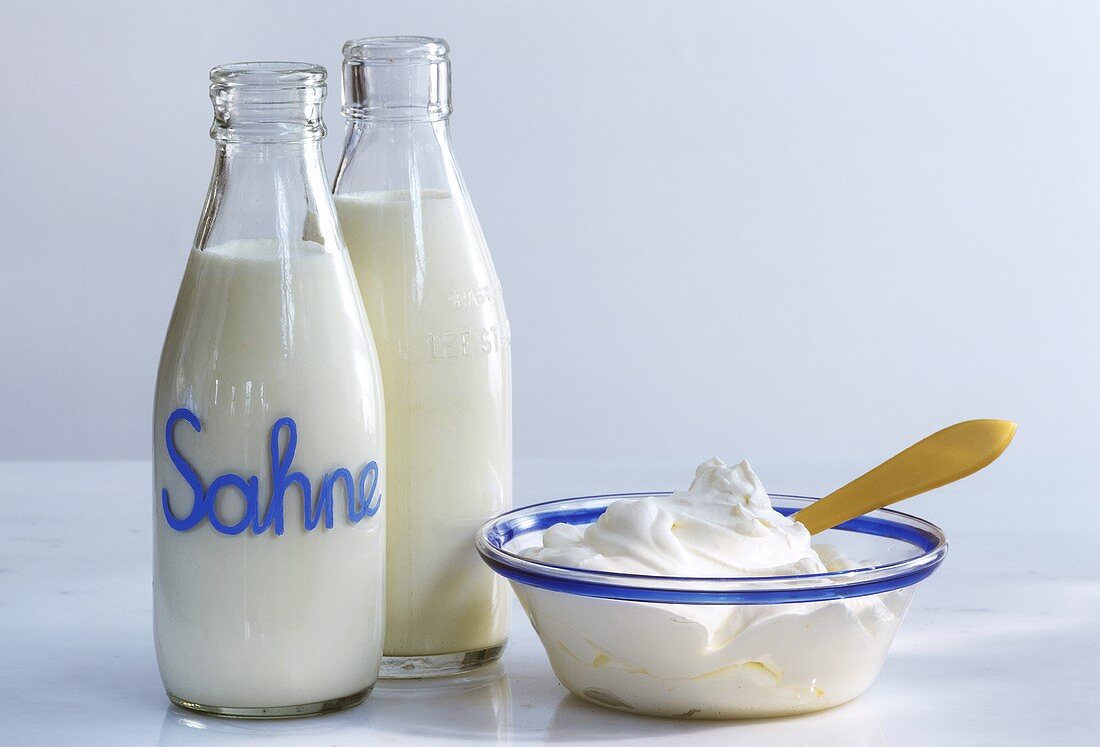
(268, 102)
(396, 79)
(268, 75)
(390, 50)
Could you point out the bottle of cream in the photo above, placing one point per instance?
(268, 458)
(434, 301)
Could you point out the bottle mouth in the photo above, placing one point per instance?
(268, 102)
(268, 75)
(397, 79)
(389, 50)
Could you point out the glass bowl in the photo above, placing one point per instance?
(717, 647)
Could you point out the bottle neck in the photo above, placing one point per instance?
(397, 100)
(268, 102)
(397, 156)
(268, 191)
(396, 79)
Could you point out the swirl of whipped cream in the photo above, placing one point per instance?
(707, 660)
(722, 526)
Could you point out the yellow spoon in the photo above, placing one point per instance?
(945, 456)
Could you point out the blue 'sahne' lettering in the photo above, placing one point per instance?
(361, 495)
(198, 508)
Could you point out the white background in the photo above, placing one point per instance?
(778, 230)
(806, 233)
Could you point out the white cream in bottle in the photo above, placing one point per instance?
(268, 427)
(435, 306)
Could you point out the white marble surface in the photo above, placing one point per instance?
(1001, 646)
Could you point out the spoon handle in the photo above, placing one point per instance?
(945, 456)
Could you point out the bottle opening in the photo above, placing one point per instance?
(397, 79)
(386, 50)
(267, 102)
(268, 75)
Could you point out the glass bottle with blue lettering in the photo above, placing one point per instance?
(443, 340)
(268, 428)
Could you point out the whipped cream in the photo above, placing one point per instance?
(723, 526)
(707, 661)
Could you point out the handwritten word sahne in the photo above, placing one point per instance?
(361, 492)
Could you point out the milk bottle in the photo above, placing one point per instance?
(435, 305)
(268, 427)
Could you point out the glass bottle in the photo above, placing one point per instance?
(443, 340)
(268, 428)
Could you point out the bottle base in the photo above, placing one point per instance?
(292, 711)
(438, 665)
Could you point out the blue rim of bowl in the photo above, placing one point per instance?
(492, 538)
